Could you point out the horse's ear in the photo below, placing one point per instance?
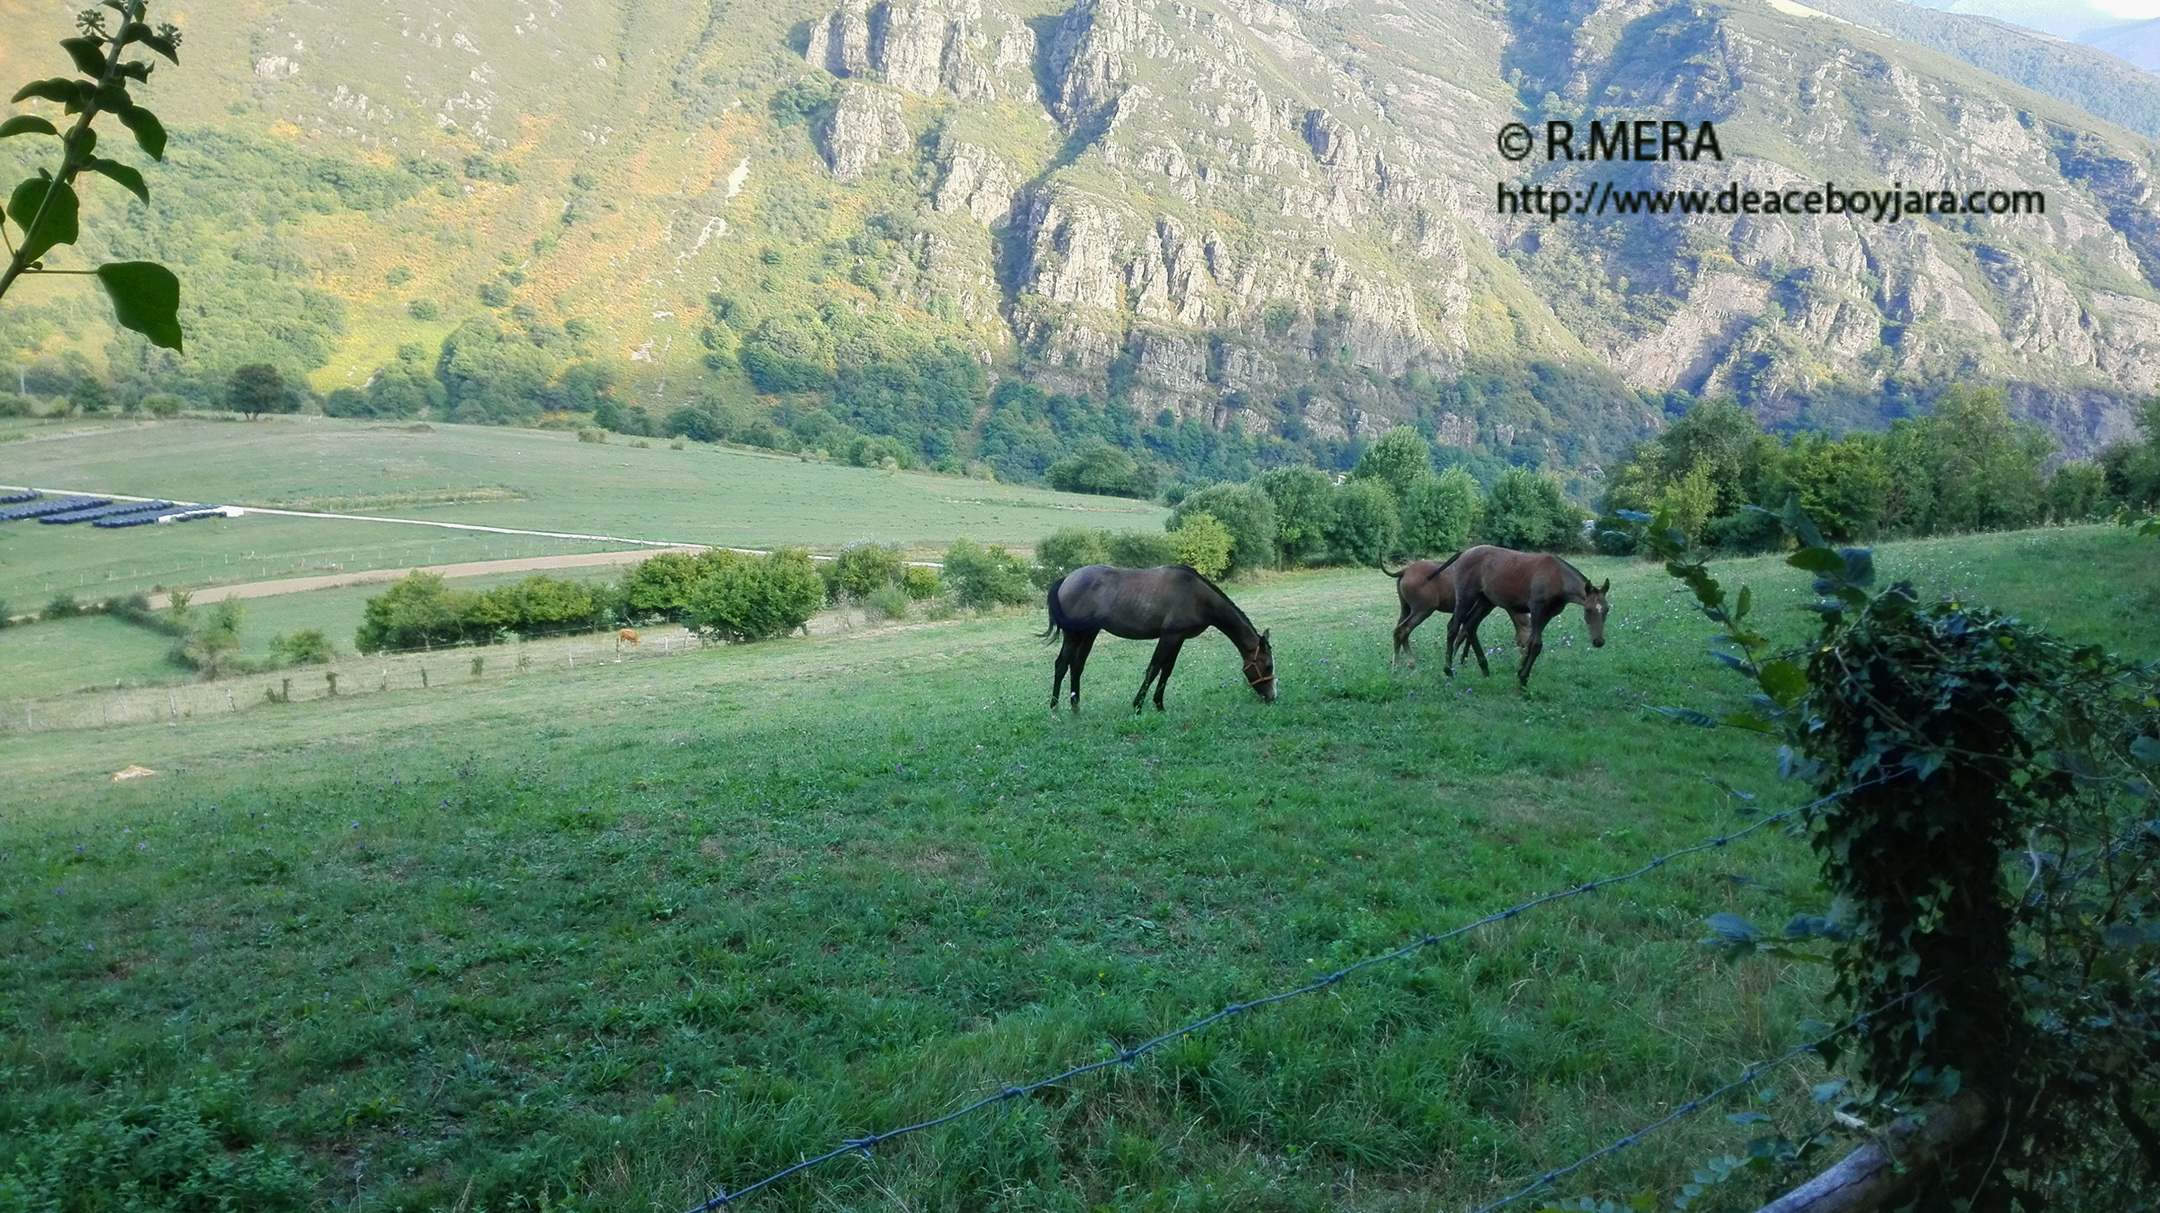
(1608, 585)
(1263, 637)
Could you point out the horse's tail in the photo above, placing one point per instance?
(1451, 561)
(1058, 620)
(1397, 574)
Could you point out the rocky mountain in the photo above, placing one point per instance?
(1222, 229)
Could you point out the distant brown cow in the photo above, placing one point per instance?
(626, 634)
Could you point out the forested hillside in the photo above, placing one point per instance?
(1010, 235)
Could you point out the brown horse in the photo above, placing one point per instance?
(1537, 585)
(1172, 603)
(1427, 586)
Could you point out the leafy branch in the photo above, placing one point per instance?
(45, 209)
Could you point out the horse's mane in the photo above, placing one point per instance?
(1223, 594)
(1572, 569)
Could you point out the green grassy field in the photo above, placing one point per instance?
(603, 938)
(529, 479)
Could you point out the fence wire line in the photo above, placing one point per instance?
(1695, 1105)
(1125, 1057)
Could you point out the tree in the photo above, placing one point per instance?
(1526, 511)
(1304, 502)
(1246, 511)
(862, 569)
(257, 388)
(1104, 469)
(1399, 460)
(1366, 525)
(1139, 550)
(1440, 513)
(1203, 543)
(45, 209)
(90, 396)
(417, 611)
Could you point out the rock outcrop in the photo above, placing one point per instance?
(865, 127)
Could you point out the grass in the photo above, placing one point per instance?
(528, 479)
(604, 938)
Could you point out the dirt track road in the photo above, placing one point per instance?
(476, 568)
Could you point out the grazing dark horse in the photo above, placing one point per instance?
(1427, 586)
(1537, 585)
(1172, 603)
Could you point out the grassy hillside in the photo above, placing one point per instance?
(526, 479)
(602, 938)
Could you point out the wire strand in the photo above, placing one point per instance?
(1128, 1056)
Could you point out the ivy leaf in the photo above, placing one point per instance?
(149, 132)
(112, 96)
(136, 71)
(59, 90)
(2146, 749)
(1746, 1118)
(1746, 720)
(163, 46)
(60, 224)
(1824, 1092)
(1744, 604)
(1691, 716)
(127, 177)
(27, 124)
(1782, 681)
(1817, 560)
(89, 58)
(146, 298)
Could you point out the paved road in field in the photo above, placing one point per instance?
(474, 568)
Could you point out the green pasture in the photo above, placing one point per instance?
(543, 480)
(604, 938)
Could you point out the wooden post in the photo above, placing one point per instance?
(1885, 1171)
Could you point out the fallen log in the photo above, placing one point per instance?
(1887, 1169)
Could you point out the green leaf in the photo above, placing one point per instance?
(1817, 560)
(146, 298)
(163, 46)
(113, 96)
(88, 54)
(1746, 720)
(126, 176)
(1745, 604)
(27, 124)
(136, 71)
(1782, 681)
(149, 132)
(1691, 716)
(58, 90)
(60, 224)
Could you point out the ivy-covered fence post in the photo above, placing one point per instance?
(1990, 836)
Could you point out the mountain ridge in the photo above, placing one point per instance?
(1226, 231)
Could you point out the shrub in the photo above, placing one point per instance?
(1440, 513)
(1304, 503)
(1062, 551)
(920, 582)
(1527, 512)
(1204, 543)
(591, 434)
(63, 606)
(758, 597)
(1139, 550)
(2077, 492)
(1366, 525)
(983, 577)
(663, 584)
(163, 405)
(347, 402)
(12, 405)
(1246, 511)
(424, 310)
(212, 642)
(306, 647)
(886, 602)
(862, 569)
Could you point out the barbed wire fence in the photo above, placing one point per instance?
(1128, 1056)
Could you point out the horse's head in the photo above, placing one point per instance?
(1260, 669)
(1594, 609)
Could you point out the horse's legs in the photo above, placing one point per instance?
(1530, 651)
(1412, 617)
(1166, 659)
(1470, 617)
(1057, 677)
(1078, 645)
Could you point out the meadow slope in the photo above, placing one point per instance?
(604, 938)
